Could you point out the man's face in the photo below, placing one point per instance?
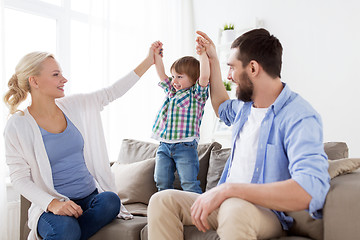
(238, 75)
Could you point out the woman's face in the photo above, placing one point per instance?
(50, 81)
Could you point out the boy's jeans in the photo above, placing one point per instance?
(182, 157)
(98, 211)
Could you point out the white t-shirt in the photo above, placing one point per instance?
(246, 145)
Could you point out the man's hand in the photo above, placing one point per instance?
(206, 42)
(68, 208)
(205, 204)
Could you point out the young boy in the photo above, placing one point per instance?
(177, 124)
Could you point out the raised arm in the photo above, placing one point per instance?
(204, 66)
(218, 92)
(159, 65)
(146, 63)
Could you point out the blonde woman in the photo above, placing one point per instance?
(56, 152)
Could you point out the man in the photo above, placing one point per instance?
(277, 162)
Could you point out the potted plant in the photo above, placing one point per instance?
(227, 85)
(229, 27)
(228, 33)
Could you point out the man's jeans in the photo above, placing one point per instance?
(98, 211)
(182, 157)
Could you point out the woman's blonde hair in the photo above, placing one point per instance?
(19, 87)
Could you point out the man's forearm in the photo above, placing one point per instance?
(218, 92)
(286, 195)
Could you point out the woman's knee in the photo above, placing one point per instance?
(110, 201)
(71, 229)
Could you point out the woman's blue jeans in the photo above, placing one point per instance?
(98, 211)
(182, 157)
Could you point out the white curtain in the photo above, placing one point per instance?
(3, 199)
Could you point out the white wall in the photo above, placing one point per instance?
(321, 41)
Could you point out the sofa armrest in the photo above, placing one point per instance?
(342, 209)
(24, 207)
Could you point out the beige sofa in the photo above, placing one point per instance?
(134, 178)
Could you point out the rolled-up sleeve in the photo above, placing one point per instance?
(308, 163)
(201, 93)
(228, 110)
(165, 85)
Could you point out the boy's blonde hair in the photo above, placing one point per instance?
(187, 65)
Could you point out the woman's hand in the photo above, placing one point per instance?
(151, 55)
(68, 208)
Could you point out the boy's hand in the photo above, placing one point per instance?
(158, 48)
(200, 47)
(158, 52)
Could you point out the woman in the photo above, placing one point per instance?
(56, 152)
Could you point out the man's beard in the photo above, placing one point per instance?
(245, 92)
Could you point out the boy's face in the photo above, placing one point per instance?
(180, 81)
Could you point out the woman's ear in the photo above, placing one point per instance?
(33, 82)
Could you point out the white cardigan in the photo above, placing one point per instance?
(29, 166)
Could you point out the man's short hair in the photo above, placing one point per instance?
(187, 65)
(262, 47)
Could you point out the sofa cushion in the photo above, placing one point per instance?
(134, 151)
(336, 150)
(122, 229)
(341, 210)
(137, 209)
(190, 233)
(343, 166)
(218, 158)
(135, 181)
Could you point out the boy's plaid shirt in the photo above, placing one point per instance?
(180, 115)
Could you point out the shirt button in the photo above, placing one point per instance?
(257, 169)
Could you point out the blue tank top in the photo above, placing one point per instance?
(65, 152)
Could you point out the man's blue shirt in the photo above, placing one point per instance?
(290, 147)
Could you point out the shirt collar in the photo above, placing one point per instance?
(281, 99)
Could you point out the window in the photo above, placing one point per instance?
(97, 42)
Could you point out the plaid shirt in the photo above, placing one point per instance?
(180, 115)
